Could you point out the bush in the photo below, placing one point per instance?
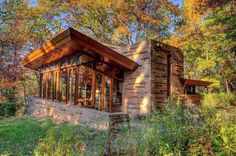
(71, 140)
(29, 136)
(8, 109)
(212, 100)
(206, 130)
(164, 133)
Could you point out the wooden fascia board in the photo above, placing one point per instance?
(53, 44)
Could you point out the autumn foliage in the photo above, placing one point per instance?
(203, 29)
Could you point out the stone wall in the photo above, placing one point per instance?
(137, 85)
(159, 66)
(147, 85)
(60, 112)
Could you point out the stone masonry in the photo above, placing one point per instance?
(61, 112)
(146, 87)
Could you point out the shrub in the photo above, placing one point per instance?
(19, 135)
(212, 100)
(28, 136)
(8, 109)
(163, 133)
(178, 130)
(69, 140)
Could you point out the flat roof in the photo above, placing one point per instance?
(192, 82)
(70, 42)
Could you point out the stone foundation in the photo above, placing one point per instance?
(61, 112)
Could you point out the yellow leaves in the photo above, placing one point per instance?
(215, 82)
(121, 31)
(206, 64)
(147, 18)
(91, 3)
(191, 15)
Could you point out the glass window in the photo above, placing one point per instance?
(190, 89)
(63, 87)
(45, 78)
(85, 86)
(98, 92)
(107, 93)
(56, 85)
(50, 85)
(71, 85)
(42, 85)
(117, 96)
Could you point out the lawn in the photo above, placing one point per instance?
(29, 136)
(208, 129)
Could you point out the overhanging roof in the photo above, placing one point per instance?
(70, 42)
(191, 82)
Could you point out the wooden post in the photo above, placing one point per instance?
(40, 85)
(48, 86)
(103, 93)
(67, 85)
(71, 85)
(53, 84)
(76, 85)
(44, 85)
(94, 88)
(111, 96)
(60, 85)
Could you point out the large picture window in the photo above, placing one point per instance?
(50, 84)
(56, 85)
(83, 86)
(71, 85)
(107, 92)
(98, 92)
(63, 85)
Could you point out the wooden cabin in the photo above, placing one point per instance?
(77, 70)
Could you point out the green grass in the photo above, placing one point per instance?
(20, 136)
(209, 129)
(29, 136)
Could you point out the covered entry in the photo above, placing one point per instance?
(78, 70)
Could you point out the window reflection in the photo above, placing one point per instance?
(63, 88)
(71, 85)
(85, 86)
(107, 93)
(56, 85)
(98, 92)
(50, 85)
(42, 86)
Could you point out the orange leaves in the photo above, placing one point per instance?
(91, 3)
(121, 31)
(148, 19)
